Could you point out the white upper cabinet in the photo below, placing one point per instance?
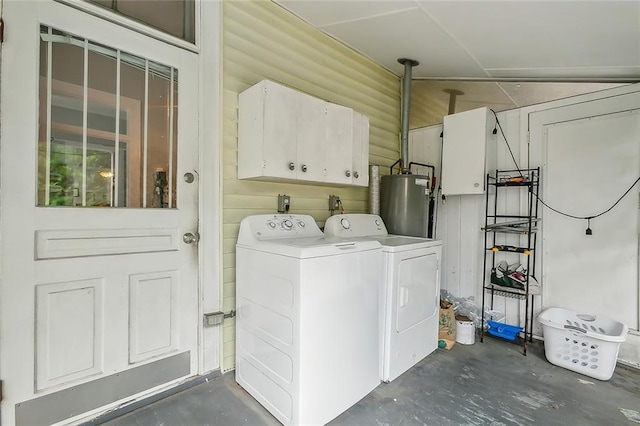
(267, 136)
(360, 150)
(468, 151)
(287, 135)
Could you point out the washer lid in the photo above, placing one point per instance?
(306, 248)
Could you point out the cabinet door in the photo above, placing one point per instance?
(464, 151)
(280, 131)
(360, 150)
(338, 151)
(311, 139)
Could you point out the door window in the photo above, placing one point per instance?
(175, 17)
(107, 126)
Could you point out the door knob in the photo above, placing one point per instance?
(190, 238)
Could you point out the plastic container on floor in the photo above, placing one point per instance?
(582, 343)
(506, 331)
(465, 332)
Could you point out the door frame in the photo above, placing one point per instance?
(208, 48)
(532, 123)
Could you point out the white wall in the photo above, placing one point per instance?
(460, 218)
(261, 40)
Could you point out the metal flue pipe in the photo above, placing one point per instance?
(406, 102)
(453, 94)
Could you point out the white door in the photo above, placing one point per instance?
(99, 293)
(589, 164)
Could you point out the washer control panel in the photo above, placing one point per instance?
(263, 227)
(286, 224)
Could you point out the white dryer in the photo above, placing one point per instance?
(307, 318)
(410, 294)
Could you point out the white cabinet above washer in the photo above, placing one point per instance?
(284, 134)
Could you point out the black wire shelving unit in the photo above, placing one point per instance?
(523, 225)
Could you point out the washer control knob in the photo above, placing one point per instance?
(345, 223)
(287, 224)
(301, 224)
(271, 225)
(377, 222)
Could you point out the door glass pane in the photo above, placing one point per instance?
(175, 17)
(159, 141)
(107, 126)
(132, 87)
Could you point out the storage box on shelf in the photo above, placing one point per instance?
(513, 280)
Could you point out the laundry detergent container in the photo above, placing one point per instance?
(583, 343)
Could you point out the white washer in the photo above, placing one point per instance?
(411, 290)
(307, 318)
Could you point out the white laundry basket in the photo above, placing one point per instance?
(581, 342)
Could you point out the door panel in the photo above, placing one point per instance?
(68, 346)
(589, 164)
(93, 296)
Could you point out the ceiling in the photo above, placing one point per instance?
(505, 45)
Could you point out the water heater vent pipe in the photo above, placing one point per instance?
(406, 102)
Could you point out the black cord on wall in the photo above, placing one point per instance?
(587, 218)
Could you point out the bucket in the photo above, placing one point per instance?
(465, 331)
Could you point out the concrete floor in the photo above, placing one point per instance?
(488, 383)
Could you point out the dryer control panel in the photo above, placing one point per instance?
(274, 226)
(354, 225)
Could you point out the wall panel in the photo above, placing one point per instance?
(261, 40)
(458, 220)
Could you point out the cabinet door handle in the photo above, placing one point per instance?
(292, 166)
(356, 175)
(304, 168)
(347, 173)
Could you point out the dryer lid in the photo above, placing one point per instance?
(394, 243)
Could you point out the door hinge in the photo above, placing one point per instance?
(1, 30)
(1, 386)
(216, 318)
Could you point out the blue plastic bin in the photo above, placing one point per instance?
(506, 331)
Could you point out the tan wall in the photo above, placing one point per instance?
(261, 40)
